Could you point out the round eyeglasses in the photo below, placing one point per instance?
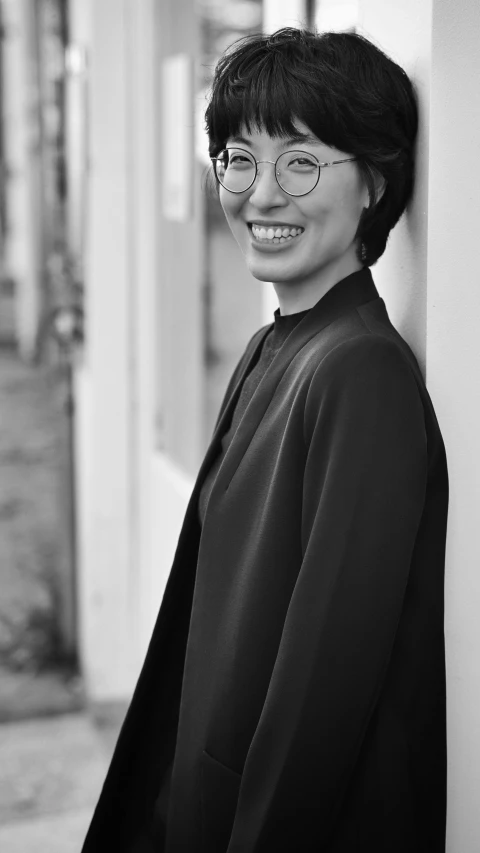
(297, 172)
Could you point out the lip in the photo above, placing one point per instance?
(272, 247)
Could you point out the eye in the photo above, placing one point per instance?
(237, 160)
(301, 162)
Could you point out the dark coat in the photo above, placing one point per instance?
(302, 627)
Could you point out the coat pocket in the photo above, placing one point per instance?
(219, 794)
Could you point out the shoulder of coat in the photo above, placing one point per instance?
(364, 355)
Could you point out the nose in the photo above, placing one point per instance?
(266, 192)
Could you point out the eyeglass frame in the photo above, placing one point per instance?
(274, 163)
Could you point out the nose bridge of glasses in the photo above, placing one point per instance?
(274, 163)
(267, 178)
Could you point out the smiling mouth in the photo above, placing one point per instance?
(274, 234)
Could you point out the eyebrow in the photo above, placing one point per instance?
(292, 140)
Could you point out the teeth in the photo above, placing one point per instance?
(276, 234)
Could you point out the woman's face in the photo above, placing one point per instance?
(323, 251)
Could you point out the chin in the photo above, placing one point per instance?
(272, 272)
(261, 275)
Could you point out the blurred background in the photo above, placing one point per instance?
(124, 307)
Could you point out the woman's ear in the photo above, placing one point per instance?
(380, 186)
(379, 189)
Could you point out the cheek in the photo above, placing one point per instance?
(230, 204)
(231, 209)
(333, 206)
(355, 197)
(323, 215)
(346, 206)
(223, 198)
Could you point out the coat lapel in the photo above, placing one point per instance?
(346, 295)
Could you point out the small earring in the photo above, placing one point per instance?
(363, 252)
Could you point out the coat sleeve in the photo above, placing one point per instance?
(363, 496)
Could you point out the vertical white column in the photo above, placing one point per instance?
(283, 13)
(106, 486)
(144, 160)
(403, 31)
(336, 14)
(453, 371)
(429, 274)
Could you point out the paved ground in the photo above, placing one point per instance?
(51, 767)
(51, 773)
(32, 426)
(30, 498)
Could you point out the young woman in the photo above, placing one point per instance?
(293, 693)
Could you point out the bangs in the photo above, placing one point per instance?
(260, 91)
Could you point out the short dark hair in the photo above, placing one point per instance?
(345, 89)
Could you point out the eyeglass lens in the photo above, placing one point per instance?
(297, 171)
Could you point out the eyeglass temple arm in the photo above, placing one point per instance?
(332, 163)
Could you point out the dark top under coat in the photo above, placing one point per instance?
(296, 671)
(281, 327)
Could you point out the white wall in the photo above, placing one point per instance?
(403, 31)
(429, 277)
(140, 59)
(103, 382)
(336, 14)
(453, 371)
(160, 491)
(131, 498)
(283, 13)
